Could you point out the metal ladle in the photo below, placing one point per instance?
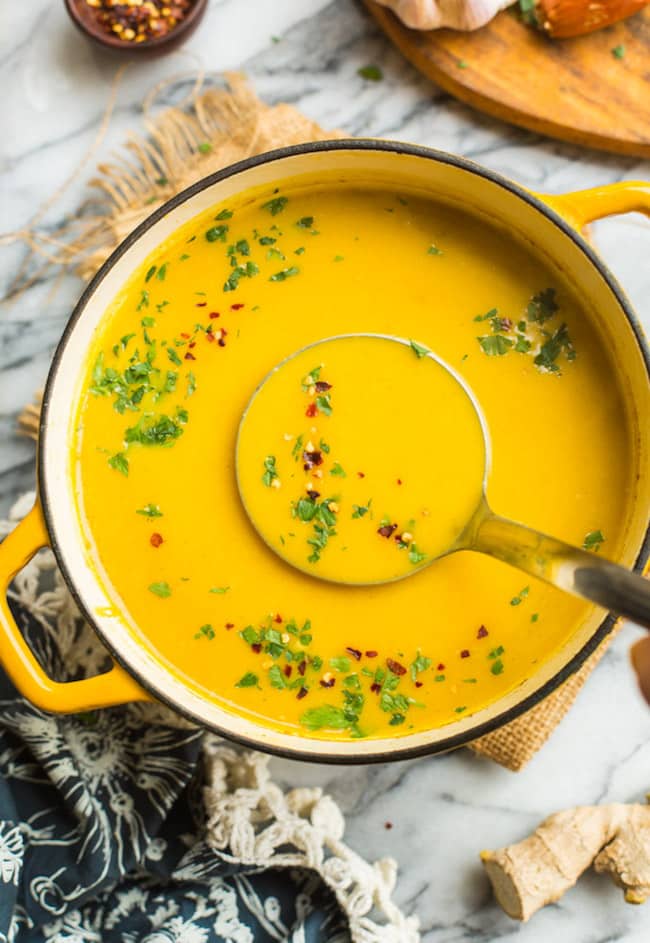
(554, 561)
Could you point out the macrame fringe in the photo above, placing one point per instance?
(259, 824)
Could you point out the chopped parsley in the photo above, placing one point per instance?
(619, 51)
(542, 306)
(156, 430)
(419, 349)
(434, 250)
(519, 598)
(325, 716)
(224, 214)
(206, 631)
(371, 73)
(420, 664)
(341, 664)
(120, 463)
(495, 345)
(551, 349)
(593, 541)
(249, 680)
(163, 590)
(220, 590)
(150, 510)
(247, 270)
(415, 555)
(338, 471)
(217, 233)
(324, 404)
(284, 273)
(276, 205)
(204, 147)
(360, 510)
(270, 472)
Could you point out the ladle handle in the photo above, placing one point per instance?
(575, 571)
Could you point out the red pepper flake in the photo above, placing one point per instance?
(287, 671)
(132, 23)
(257, 648)
(236, 307)
(155, 540)
(375, 688)
(482, 632)
(399, 481)
(311, 459)
(302, 667)
(321, 386)
(354, 652)
(214, 314)
(209, 336)
(464, 653)
(387, 530)
(230, 625)
(189, 356)
(313, 495)
(222, 342)
(277, 618)
(361, 475)
(329, 683)
(395, 667)
(193, 344)
(418, 684)
(303, 692)
(440, 667)
(201, 304)
(185, 336)
(312, 410)
(388, 825)
(371, 653)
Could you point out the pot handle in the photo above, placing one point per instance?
(584, 206)
(116, 686)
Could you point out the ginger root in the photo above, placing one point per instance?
(537, 871)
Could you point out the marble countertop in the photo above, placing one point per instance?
(442, 810)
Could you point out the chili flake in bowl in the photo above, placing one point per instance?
(143, 25)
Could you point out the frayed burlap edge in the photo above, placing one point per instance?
(516, 743)
(222, 126)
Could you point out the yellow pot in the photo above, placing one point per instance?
(551, 224)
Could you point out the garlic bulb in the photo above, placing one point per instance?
(455, 14)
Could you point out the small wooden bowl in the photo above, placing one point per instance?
(83, 17)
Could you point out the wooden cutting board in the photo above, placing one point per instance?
(572, 89)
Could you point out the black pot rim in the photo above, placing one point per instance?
(353, 144)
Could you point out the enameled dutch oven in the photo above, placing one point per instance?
(551, 224)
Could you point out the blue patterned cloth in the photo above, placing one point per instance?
(101, 835)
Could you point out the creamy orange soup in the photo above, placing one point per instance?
(179, 355)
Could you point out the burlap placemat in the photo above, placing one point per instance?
(215, 129)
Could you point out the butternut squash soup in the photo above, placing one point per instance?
(389, 434)
(180, 353)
